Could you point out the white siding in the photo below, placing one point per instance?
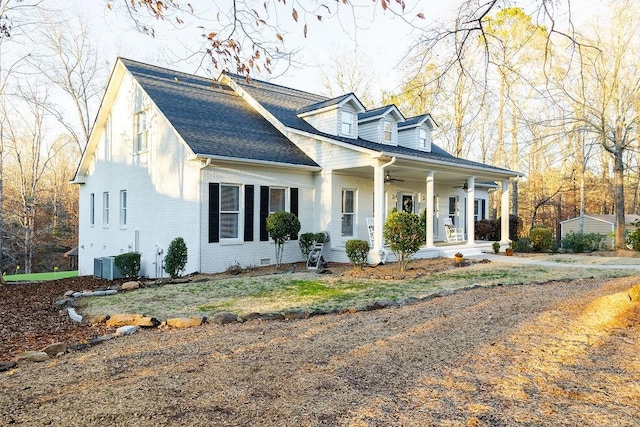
(326, 121)
(374, 131)
(591, 225)
(219, 256)
(162, 191)
(408, 138)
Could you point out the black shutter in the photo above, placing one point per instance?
(264, 212)
(293, 205)
(248, 213)
(214, 212)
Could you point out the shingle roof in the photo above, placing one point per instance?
(412, 121)
(377, 112)
(326, 103)
(284, 103)
(212, 119)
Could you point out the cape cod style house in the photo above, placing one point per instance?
(173, 154)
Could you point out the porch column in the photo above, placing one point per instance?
(378, 207)
(429, 195)
(504, 213)
(471, 225)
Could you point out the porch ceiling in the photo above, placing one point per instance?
(413, 174)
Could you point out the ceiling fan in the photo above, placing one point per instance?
(387, 179)
(464, 186)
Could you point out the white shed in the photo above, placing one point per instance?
(601, 224)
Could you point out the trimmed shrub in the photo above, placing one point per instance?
(541, 238)
(486, 230)
(522, 245)
(306, 242)
(496, 247)
(404, 235)
(176, 258)
(128, 264)
(582, 242)
(281, 226)
(357, 251)
(633, 237)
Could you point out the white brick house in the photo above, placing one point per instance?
(173, 154)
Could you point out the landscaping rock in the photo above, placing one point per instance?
(5, 366)
(180, 280)
(130, 286)
(32, 356)
(101, 339)
(185, 322)
(68, 294)
(126, 330)
(271, 316)
(64, 303)
(634, 293)
(96, 319)
(224, 318)
(55, 349)
(132, 319)
(73, 315)
(296, 314)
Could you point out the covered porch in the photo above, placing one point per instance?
(457, 195)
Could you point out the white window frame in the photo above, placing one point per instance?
(422, 141)
(123, 209)
(105, 209)
(385, 131)
(92, 209)
(285, 206)
(237, 212)
(141, 132)
(107, 139)
(350, 124)
(345, 213)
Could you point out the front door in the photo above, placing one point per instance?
(407, 203)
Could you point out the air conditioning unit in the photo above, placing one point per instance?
(109, 270)
(97, 267)
(105, 268)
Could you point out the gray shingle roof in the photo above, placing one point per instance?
(212, 119)
(326, 103)
(284, 103)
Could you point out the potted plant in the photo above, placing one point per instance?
(458, 257)
(509, 251)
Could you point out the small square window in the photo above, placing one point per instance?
(277, 200)
(346, 123)
(388, 131)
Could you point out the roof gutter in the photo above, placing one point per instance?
(207, 158)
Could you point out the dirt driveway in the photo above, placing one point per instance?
(561, 353)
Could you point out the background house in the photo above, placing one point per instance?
(599, 224)
(173, 154)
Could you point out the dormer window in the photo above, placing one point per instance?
(388, 131)
(346, 125)
(422, 143)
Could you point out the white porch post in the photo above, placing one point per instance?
(504, 213)
(378, 206)
(471, 226)
(430, 193)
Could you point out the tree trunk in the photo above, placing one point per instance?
(618, 174)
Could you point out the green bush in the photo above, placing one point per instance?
(522, 245)
(306, 242)
(128, 264)
(496, 247)
(541, 238)
(281, 226)
(404, 235)
(633, 237)
(176, 258)
(357, 251)
(582, 242)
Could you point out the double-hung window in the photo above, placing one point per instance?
(229, 211)
(107, 139)
(422, 144)
(387, 131)
(92, 210)
(346, 125)
(105, 209)
(123, 208)
(348, 212)
(141, 132)
(277, 200)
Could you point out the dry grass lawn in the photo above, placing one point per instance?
(560, 353)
